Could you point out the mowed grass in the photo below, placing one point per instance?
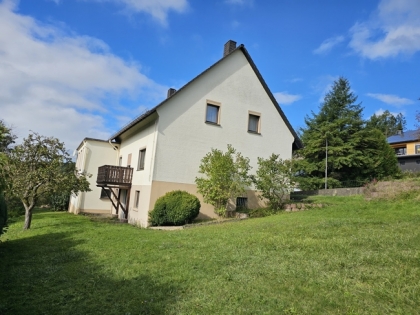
(352, 257)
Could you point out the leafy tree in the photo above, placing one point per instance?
(387, 123)
(38, 167)
(274, 179)
(6, 137)
(226, 177)
(353, 150)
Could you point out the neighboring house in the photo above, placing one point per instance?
(407, 148)
(161, 150)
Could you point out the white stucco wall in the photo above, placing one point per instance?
(90, 156)
(184, 137)
(143, 138)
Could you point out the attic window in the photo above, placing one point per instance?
(254, 122)
(213, 113)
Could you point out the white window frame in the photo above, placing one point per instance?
(142, 154)
(210, 103)
(258, 115)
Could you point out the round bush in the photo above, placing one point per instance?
(175, 208)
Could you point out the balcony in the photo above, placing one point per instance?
(118, 176)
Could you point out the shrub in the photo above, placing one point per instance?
(60, 201)
(274, 180)
(3, 214)
(225, 177)
(175, 208)
(15, 207)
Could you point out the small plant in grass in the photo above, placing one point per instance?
(226, 176)
(261, 212)
(175, 208)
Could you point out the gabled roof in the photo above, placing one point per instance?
(297, 144)
(406, 136)
(91, 139)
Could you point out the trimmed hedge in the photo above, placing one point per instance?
(175, 208)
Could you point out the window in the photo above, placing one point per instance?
(254, 123)
(402, 162)
(212, 114)
(129, 160)
(242, 202)
(142, 156)
(417, 161)
(136, 199)
(104, 193)
(417, 150)
(401, 151)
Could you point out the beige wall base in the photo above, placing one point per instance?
(160, 188)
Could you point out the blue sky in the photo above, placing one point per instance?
(84, 68)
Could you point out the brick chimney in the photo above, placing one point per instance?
(171, 92)
(229, 47)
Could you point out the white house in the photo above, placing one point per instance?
(228, 103)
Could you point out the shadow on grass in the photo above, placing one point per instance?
(46, 274)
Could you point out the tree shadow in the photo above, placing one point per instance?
(46, 274)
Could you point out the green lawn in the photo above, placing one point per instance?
(353, 257)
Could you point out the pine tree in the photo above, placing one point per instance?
(387, 123)
(353, 150)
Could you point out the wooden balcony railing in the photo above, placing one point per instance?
(114, 175)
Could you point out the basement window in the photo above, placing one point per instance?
(104, 193)
(241, 202)
(136, 199)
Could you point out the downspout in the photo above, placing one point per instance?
(116, 148)
(82, 167)
(152, 165)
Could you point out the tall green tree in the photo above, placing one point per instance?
(225, 177)
(38, 167)
(387, 123)
(339, 131)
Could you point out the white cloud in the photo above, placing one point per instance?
(63, 85)
(159, 9)
(391, 99)
(240, 2)
(294, 80)
(323, 85)
(235, 24)
(380, 111)
(285, 98)
(328, 44)
(392, 30)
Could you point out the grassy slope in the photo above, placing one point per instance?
(354, 257)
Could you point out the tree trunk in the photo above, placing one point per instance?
(28, 217)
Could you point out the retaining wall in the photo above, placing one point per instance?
(328, 192)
